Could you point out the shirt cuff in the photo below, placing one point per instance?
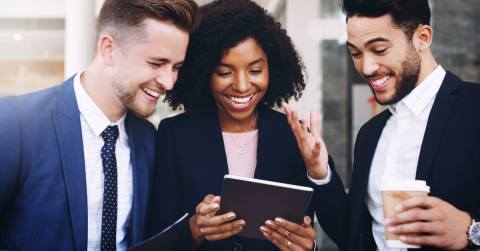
(322, 182)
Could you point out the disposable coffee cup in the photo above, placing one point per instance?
(394, 192)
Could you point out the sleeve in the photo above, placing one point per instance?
(10, 153)
(165, 204)
(332, 208)
(322, 182)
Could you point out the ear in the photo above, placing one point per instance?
(423, 35)
(107, 48)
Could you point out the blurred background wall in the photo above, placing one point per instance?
(43, 42)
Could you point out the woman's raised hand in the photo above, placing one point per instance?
(287, 235)
(314, 151)
(205, 225)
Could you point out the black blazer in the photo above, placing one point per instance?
(449, 161)
(191, 163)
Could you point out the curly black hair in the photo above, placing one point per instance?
(225, 24)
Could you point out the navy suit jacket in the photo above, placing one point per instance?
(449, 161)
(191, 163)
(43, 196)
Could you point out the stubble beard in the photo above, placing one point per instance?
(126, 94)
(407, 79)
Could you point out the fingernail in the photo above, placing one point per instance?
(392, 229)
(231, 216)
(278, 220)
(403, 238)
(216, 207)
(387, 221)
(307, 219)
(239, 229)
(264, 234)
(269, 223)
(399, 207)
(263, 229)
(241, 223)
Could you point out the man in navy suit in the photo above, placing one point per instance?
(77, 159)
(429, 132)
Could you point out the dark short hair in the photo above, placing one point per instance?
(123, 19)
(225, 24)
(406, 14)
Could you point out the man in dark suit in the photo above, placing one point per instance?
(429, 132)
(77, 160)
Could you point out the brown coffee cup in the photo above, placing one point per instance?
(394, 192)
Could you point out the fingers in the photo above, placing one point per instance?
(297, 229)
(314, 124)
(204, 221)
(416, 228)
(284, 231)
(422, 240)
(417, 201)
(295, 123)
(279, 240)
(220, 236)
(207, 209)
(412, 215)
(288, 112)
(208, 230)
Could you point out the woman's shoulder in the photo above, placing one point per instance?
(274, 116)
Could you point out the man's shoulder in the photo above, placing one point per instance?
(33, 102)
(143, 125)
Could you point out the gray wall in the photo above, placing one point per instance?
(456, 37)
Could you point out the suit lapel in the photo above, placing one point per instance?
(69, 135)
(140, 180)
(212, 139)
(437, 121)
(363, 162)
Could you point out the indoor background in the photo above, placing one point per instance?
(43, 42)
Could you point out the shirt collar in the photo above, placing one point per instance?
(421, 95)
(95, 118)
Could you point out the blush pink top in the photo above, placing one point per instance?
(241, 164)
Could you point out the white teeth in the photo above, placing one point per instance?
(151, 93)
(240, 101)
(380, 81)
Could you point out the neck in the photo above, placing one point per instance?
(233, 125)
(97, 82)
(428, 65)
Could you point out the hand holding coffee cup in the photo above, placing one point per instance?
(440, 224)
(394, 192)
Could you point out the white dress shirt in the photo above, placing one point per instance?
(398, 149)
(94, 122)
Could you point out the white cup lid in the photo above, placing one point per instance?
(405, 185)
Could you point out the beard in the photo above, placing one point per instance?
(127, 95)
(406, 79)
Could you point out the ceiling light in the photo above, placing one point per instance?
(17, 37)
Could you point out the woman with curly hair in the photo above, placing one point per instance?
(240, 63)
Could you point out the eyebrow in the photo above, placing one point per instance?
(252, 63)
(164, 60)
(371, 41)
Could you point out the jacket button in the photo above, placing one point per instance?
(237, 247)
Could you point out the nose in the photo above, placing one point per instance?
(166, 77)
(241, 82)
(370, 65)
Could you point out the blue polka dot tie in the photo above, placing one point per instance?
(109, 214)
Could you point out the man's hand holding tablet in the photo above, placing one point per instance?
(205, 225)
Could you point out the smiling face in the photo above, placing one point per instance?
(240, 81)
(147, 69)
(384, 56)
